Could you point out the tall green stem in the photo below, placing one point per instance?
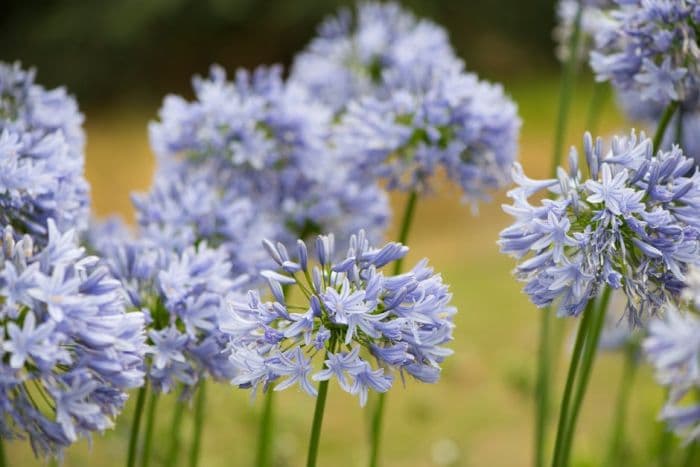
(318, 411)
(595, 107)
(174, 440)
(3, 462)
(199, 407)
(613, 457)
(589, 353)
(136, 425)
(148, 434)
(663, 124)
(378, 415)
(265, 433)
(583, 330)
(542, 395)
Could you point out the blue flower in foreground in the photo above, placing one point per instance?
(634, 225)
(651, 50)
(182, 294)
(468, 128)
(673, 348)
(350, 308)
(41, 156)
(69, 349)
(353, 56)
(248, 158)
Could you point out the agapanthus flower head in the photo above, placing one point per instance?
(595, 19)
(41, 156)
(673, 348)
(632, 224)
(252, 157)
(652, 50)
(182, 295)
(467, 127)
(353, 55)
(69, 349)
(370, 323)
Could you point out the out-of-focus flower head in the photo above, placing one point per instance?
(69, 349)
(41, 156)
(182, 294)
(251, 157)
(651, 50)
(455, 122)
(369, 323)
(595, 19)
(673, 348)
(353, 55)
(632, 224)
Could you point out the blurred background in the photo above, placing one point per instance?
(120, 58)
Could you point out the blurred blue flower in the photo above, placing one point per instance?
(41, 156)
(349, 306)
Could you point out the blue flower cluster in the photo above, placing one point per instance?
(465, 126)
(652, 49)
(633, 224)
(183, 298)
(41, 156)
(69, 350)
(355, 55)
(252, 158)
(673, 348)
(351, 309)
(595, 19)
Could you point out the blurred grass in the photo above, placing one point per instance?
(479, 414)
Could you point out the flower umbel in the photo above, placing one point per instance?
(349, 308)
(634, 225)
(70, 350)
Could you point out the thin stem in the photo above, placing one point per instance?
(3, 462)
(665, 442)
(136, 425)
(570, 379)
(595, 107)
(318, 412)
(543, 386)
(199, 407)
(617, 437)
(566, 91)
(148, 434)
(663, 124)
(179, 410)
(589, 353)
(265, 432)
(405, 228)
(378, 414)
(542, 395)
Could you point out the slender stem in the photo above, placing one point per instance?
(617, 436)
(566, 91)
(665, 441)
(406, 223)
(318, 412)
(171, 460)
(543, 385)
(265, 432)
(148, 434)
(691, 455)
(542, 394)
(199, 407)
(663, 124)
(136, 425)
(595, 107)
(3, 462)
(378, 414)
(570, 379)
(589, 353)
